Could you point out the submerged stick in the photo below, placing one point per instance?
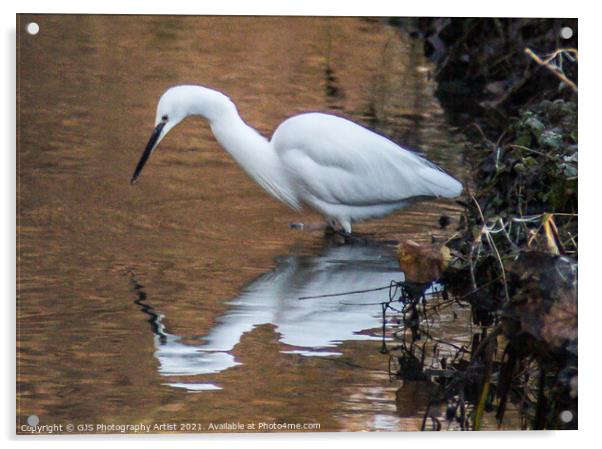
(354, 292)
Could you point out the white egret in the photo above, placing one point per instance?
(342, 170)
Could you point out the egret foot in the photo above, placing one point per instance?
(349, 238)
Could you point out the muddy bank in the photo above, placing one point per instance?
(512, 85)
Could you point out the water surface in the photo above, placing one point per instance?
(177, 300)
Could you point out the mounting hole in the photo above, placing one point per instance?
(32, 28)
(566, 416)
(33, 420)
(566, 32)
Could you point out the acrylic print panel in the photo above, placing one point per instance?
(197, 300)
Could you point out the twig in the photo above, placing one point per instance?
(496, 331)
(552, 68)
(530, 150)
(479, 288)
(302, 298)
(481, 132)
(492, 244)
(559, 51)
(515, 87)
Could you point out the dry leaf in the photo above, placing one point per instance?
(422, 263)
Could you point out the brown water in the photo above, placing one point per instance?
(176, 300)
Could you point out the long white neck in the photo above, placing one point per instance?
(253, 152)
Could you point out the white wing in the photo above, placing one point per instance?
(341, 162)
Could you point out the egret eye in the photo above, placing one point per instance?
(164, 118)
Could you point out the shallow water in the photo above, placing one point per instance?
(177, 300)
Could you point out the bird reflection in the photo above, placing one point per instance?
(303, 297)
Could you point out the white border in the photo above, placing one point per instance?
(590, 78)
(462, 8)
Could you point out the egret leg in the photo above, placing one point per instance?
(307, 227)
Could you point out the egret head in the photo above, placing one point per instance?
(173, 107)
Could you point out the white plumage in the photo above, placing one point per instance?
(342, 170)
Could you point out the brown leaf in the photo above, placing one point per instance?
(422, 263)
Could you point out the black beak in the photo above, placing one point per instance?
(147, 151)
